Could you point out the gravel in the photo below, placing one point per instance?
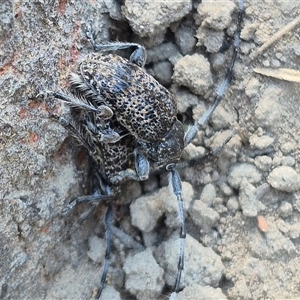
(284, 179)
(193, 71)
(243, 171)
(144, 277)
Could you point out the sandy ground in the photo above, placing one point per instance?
(242, 207)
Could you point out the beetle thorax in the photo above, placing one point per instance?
(168, 149)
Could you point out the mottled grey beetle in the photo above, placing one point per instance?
(127, 121)
(119, 87)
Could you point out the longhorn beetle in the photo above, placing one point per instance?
(127, 122)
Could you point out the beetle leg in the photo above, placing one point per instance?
(109, 136)
(85, 199)
(108, 235)
(127, 174)
(175, 183)
(141, 172)
(221, 89)
(102, 134)
(138, 56)
(142, 165)
(102, 193)
(75, 132)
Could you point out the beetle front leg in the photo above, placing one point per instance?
(138, 56)
(103, 135)
(141, 173)
(142, 165)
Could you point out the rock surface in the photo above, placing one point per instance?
(248, 191)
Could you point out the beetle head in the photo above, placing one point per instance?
(169, 147)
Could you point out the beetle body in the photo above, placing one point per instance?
(142, 105)
(109, 158)
(139, 104)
